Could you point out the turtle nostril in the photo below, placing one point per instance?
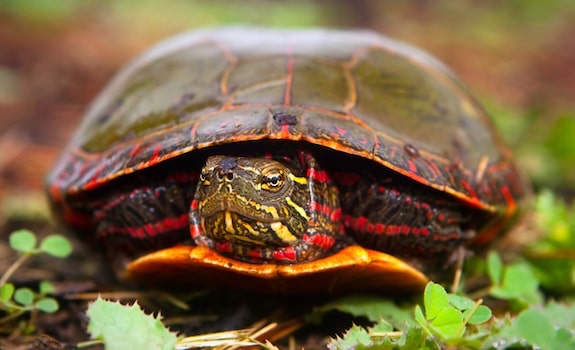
(222, 174)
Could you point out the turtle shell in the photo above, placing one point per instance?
(355, 92)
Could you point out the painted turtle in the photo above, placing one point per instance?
(285, 161)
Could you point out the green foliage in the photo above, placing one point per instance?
(446, 315)
(553, 256)
(374, 308)
(23, 241)
(557, 220)
(56, 245)
(444, 319)
(516, 282)
(548, 327)
(355, 338)
(127, 327)
(549, 156)
(15, 302)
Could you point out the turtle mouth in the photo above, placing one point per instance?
(246, 210)
(237, 228)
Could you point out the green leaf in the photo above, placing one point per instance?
(564, 339)
(419, 317)
(372, 307)
(23, 241)
(355, 337)
(46, 287)
(562, 315)
(482, 314)
(434, 299)
(56, 245)
(519, 282)
(414, 338)
(6, 292)
(533, 326)
(449, 323)
(460, 302)
(47, 305)
(494, 268)
(127, 327)
(24, 296)
(381, 326)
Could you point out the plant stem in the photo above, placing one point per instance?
(6, 276)
(11, 316)
(89, 343)
(466, 320)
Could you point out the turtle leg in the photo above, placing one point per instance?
(400, 218)
(144, 218)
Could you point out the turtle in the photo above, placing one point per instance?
(286, 161)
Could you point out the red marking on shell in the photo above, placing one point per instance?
(154, 158)
(432, 166)
(285, 131)
(412, 166)
(511, 205)
(93, 183)
(469, 189)
(135, 150)
(341, 131)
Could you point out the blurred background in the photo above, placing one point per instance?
(517, 57)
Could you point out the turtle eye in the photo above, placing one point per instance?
(203, 178)
(273, 181)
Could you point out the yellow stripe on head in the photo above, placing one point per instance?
(301, 211)
(283, 232)
(299, 179)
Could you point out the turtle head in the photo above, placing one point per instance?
(251, 202)
(255, 209)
